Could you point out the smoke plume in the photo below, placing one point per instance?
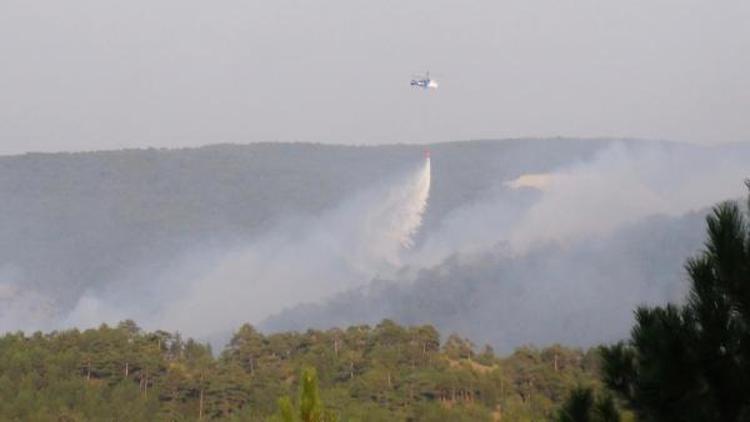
(300, 261)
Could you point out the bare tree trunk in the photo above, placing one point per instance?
(88, 374)
(127, 369)
(200, 406)
(531, 392)
(556, 362)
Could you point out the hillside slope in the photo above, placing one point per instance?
(74, 222)
(199, 240)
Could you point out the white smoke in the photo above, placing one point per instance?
(621, 185)
(22, 308)
(530, 264)
(624, 185)
(540, 181)
(301, 261)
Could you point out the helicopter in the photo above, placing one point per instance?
(424, 82)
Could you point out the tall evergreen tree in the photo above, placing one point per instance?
(310, 408)
(692, 362)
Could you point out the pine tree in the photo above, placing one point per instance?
(583, 406)
(692, 362)
(579, 406)
(310, 407)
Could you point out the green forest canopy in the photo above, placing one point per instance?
(385, 372)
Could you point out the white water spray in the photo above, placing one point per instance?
(415, 208)
(392, 223)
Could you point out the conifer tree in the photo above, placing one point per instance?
(310, 407)
(692, 362)
(583, 406)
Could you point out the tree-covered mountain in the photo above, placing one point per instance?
(179, 238)
(72, 222)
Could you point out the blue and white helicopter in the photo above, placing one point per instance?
(424, 82)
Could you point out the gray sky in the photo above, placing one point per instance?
(103, 74)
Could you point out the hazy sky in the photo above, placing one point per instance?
(102, 74)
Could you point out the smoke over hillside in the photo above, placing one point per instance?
(305, 260)
(510, 242)
(569, 264)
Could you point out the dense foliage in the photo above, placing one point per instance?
(385, 372)
(692, 362)
(583, 406)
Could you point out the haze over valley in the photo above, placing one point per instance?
(509, 242)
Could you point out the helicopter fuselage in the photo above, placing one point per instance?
(424, 83)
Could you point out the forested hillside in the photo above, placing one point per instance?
(77, 223)
(385, 372)
(529, 299)
(160, 236)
